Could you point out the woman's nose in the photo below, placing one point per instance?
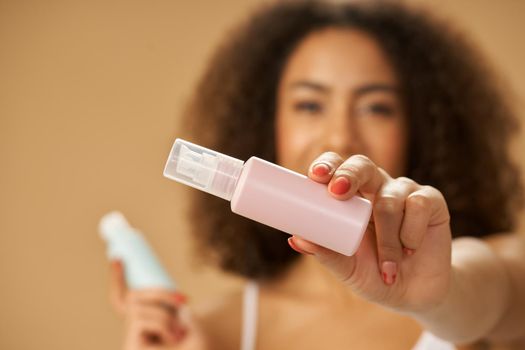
(341, 136)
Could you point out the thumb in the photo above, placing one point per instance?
(118, 287)
(341, 265)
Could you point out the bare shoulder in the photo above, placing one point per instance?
(220, 320)
(510, 248)
(508, 245)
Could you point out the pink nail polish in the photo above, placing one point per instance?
(180, 298)
(408, 251)
(320, 169)
(341, 185)
(296, 248)
(389, 272)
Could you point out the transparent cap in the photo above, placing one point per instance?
(204, 169)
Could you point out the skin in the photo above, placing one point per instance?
(341, 121)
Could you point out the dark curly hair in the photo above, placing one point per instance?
(459, 121)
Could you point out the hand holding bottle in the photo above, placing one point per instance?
(403, 261)
(155, 319)
(144, 293)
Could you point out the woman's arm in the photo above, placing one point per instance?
(510, 249)
(486, 298)
(477, 298)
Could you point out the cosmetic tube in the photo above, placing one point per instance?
(142, 268)
(273, 195)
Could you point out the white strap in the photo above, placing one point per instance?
(427, 341)
(249, 316)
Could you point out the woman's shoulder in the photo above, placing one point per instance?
(510, 243)
(220, 319)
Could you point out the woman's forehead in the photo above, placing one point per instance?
(339, 57)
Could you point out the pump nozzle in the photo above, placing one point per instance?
(202, 168)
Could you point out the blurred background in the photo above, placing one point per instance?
(90, 98)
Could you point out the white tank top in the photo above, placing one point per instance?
(426, 341)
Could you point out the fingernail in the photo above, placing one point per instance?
(408, 251)
(341, 185)
(389, 271)
(296, 248)
(180, 298)
(320, 169)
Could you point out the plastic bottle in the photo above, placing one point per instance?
(272, 195)
(141, 267)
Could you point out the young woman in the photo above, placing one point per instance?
(375, 100)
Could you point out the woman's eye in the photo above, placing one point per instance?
(308, 107)
(378, 109)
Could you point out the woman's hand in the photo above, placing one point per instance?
(155, 318)
(403, 261)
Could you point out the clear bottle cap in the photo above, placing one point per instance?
(202, 168)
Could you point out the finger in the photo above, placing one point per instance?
(423, 208)
(186, 318)
(176, 320)
(388, 214)
(357, 173)
(118, 287)
(341, 265)
(157, 296)
(151, 331)
(154, 312)
(323, 167)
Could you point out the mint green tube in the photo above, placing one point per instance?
(141, 267)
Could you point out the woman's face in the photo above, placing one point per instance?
(338, 92)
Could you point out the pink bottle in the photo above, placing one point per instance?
(273, 195)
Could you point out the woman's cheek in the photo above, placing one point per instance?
(294, 140)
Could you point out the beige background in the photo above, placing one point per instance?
(89, 97)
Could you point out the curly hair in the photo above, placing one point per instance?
(459, 121)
